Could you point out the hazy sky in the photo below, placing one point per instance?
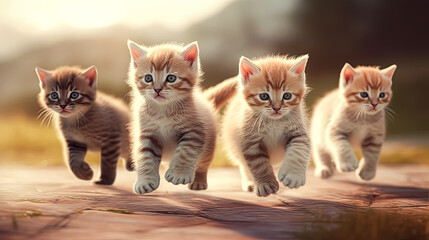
(43, 21)
(48, 14)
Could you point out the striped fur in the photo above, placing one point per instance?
(353, 121)
(178, 123)
(94, 121)
(256, 136)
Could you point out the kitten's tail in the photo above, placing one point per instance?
(222, 92)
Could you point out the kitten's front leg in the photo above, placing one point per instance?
(343, 155)
(292, 172)
(371, 148)
(188, 151)
(147, 155)
(75, 153)
(258, 161)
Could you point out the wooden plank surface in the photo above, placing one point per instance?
(49, 203)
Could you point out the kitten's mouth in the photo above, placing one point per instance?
(276, 115)
(159, 97)
(64, 112)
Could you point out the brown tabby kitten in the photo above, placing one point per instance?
(86, 120)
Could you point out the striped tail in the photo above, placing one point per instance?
(222, 92)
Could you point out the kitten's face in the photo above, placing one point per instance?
(367, 89)
(164, 74)
(67, 91)
(275, 86)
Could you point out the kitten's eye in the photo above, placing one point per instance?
(382, 95)
(74, 95)
(287, 96)
(171, 78)
(363, 94)
(54, 96)
(148, 78)
(264, 96)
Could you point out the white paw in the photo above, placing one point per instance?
(291, 179)
(179, 177)
(146, 184)
(366, 173)
(323, 172)
(347, 164)
(267, 188)
(248, 186)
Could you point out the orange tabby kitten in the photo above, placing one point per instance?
(352, 116)
(86, 119)
(265, 124)
(172, 118)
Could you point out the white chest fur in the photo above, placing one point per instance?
(165, 127)
(274, 141)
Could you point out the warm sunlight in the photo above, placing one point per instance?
(49, 14)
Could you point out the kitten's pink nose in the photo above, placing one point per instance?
(63, 106)
(276, 109)
(374, 105)
(157, 90)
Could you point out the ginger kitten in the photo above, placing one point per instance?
(86, 119)
(172, 118)
(352, 116)
(265, 124)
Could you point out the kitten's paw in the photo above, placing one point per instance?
(129, 165)
(323, 172)
(105, 181)
(82, 171)
(366, 173)
(267, 188)
(198, 185)
(146, 184)
(200, 182)
(179, 177)
(291, 179)
(347, 165)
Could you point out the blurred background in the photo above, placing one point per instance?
(52, 33)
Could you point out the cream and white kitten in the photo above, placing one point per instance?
(352, 115)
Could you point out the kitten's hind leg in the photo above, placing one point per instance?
(76, 159)
(109, 161)
(323, 161)
(129, 164)
(371, 149)
(247, 183)
(200, 180)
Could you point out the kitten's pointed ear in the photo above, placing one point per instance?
(90, 74)
(136, 51)
(299, 67)
(388, 72)
(348, 73)
(42, 74)
(246, 69)
(190, 54)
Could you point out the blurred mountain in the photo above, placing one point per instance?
(361, 32)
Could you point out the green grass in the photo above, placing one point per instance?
(25, 141)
